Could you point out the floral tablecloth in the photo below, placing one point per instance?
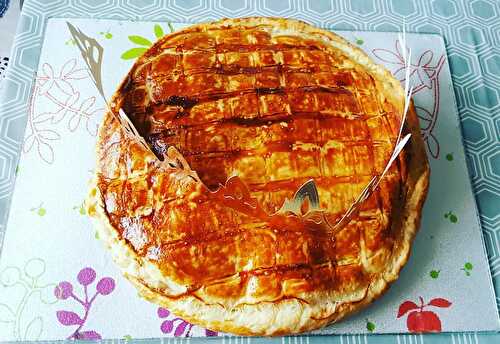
(472, 34)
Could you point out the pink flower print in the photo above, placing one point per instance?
(424, 76)
(423, 71)
(58, 89)
(65, 108)
(48, 79)
(83, 113)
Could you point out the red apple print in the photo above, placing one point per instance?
(424, 321)
(420, 320)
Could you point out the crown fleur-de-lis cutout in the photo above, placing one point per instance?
(92, 53)
(306, 193)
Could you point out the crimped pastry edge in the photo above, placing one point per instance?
(286, 316)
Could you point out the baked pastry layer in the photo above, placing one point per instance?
(276, 102)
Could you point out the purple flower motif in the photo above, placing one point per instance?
(105, 286)
(163, 312)
(64, 290)
(167, 326)
(88, 335)
(68, 318)
(210, 333)
(86, 276)
(179, 327)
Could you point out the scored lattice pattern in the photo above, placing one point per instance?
(242, 112)
(276, 110)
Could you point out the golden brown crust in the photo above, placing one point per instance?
(192, 257)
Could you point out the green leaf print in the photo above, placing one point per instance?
(143, 42)
(107, 34)
(434, 274)
(450, 216)
(159, 31)
(449, 156)
(139, 40)
(370, 326)
(40, 210)
(467, 268)
(133, 53)
(81, 209)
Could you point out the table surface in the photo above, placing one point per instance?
(472, 34)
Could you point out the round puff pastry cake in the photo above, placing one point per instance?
(275, 102)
